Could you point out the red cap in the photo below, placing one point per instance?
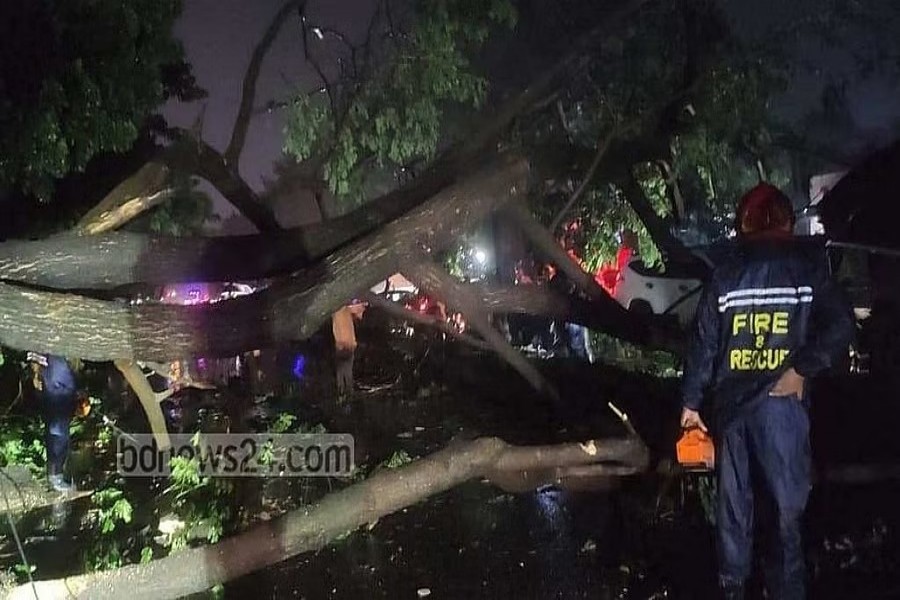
(765, 211)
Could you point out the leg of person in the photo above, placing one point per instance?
(734, 514)
(576, 335)
(780, 438)
(344, 373)
(58, 410)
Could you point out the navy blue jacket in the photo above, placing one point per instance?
(57, 376)
(769, 305)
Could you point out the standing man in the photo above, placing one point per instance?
(769, 319)
(54, 384)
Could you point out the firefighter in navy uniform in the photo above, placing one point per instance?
(770, 318)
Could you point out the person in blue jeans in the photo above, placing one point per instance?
(769, 319)
(55, 386)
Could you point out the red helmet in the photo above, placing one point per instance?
(764, 210)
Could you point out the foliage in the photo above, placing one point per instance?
(633, 358)
(201, 503)
(398, 459)
(185, 213)
(21, 572)
(85, 76)
(389, 112)
(110, 510)
(318, 428)
(22, 443)
(605, 216)
(690, 103)
(283, 423)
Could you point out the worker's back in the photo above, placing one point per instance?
(764, 297)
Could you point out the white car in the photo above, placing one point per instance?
(651, 290)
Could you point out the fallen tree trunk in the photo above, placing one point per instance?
(648, 331)
(21, 492)
(311, 528)
(292, 309)
(115, 259)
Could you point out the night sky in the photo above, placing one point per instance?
(219, 36)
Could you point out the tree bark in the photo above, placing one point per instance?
(148, 399)
(290, 309)
(147, 188)
(649, 332)
(312, 527)
(112, 260)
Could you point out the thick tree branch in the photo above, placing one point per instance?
(140, 192)
(193, 155)
(148, 399)
(232, 153)
(311, 527)
(291, 309)
(620, 323)
(653, 332)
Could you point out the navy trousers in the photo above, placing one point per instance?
(764, 450)
(57, 408)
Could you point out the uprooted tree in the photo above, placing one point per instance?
(632, 136)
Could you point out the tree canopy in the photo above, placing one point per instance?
(78, 79)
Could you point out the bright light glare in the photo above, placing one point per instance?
(481, 256)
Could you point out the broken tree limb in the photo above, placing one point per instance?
(433, 279)
(546, 245)
(148, 399)
(99, 220)
(312, 527)
(429, 228)
(588, 176)
(655, 332)
(147, 188)
(293, 308)
(401, 312)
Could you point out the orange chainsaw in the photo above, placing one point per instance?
(695, 451)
